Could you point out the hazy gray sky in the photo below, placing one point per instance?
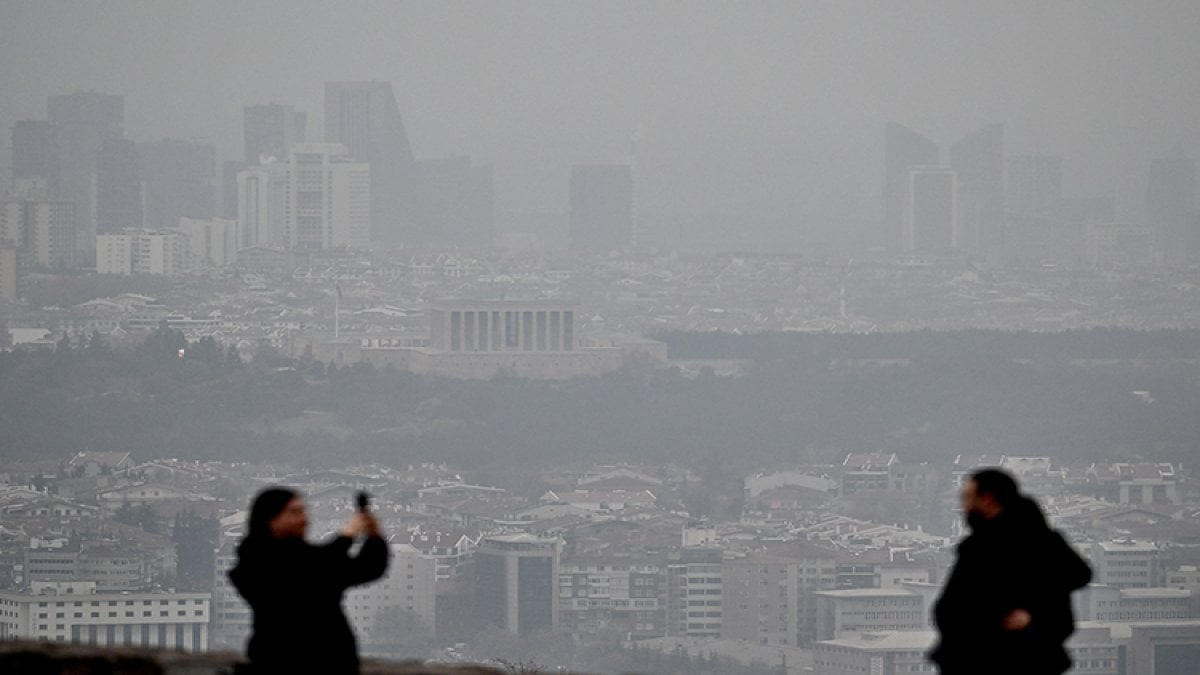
(750, 113)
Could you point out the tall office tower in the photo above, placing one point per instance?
(364, 117)
(261, 204)
(903, 149)
(208, 243)
(517, 582)
(978, 159)
(1171, 208)
(930, 209)
(270, 130)
(34, 153)
(601, 207)
(83, 121)
(41, 229)
(328, 200)
(1034, 185)
(118, 186)
(230, 169)
(454, 206)
(178, 180)
(9, 292)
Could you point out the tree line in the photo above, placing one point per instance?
(960, 392)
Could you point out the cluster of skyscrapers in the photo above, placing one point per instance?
(976, 199)
(76, 177)
(77, 180)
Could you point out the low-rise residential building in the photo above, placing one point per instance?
(884, 653)
(609, 593)
(76, 612)
(1125, 563)
(869, 610)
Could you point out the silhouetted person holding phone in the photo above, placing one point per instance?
(1006, 606)
(295, 588)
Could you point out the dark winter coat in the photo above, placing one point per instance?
(295, 591)
(1013, 561)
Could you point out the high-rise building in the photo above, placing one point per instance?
(208, 243)
(401, 603)
(261, 205)
(83, 121)
(178, 180)
(270, 130)
(41, 229)
(770, 598)
(9, 291)
(1171, 208)
(34, 152)
(517, 582)
(978, 161)
(364, 117)
(601, 216)
(930, 209)
(118, 186)
(903, 149)
(328, 198)
(230, 169)
(138, 251)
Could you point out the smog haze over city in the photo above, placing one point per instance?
(663, 335)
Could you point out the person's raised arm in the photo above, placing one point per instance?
(372, 559)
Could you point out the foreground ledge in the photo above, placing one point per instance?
(19, 657)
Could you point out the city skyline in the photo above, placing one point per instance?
(747, 137)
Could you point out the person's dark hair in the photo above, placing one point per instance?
(999, 484)
(266, 505)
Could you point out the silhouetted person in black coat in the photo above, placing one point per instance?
(295, 588)
(1006, 606)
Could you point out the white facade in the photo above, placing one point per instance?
(43, 228)
(328, 198)
(1125, 564)
(210, 243)
(8, 273)
(852, 612)
(886, 653)
(114, 254)
(137, 251)
(261, 205)
(162, 620)
(408, 586)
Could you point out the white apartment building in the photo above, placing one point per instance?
(1105, 603)
(75, 613)
(328, 198)
(1125, 564)
(889, 653)
(42, 229)
(261, 204)
(209, 243)
(137, 251)
(409, 586)
(319, 198)
(855, 611)
(8, 273)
